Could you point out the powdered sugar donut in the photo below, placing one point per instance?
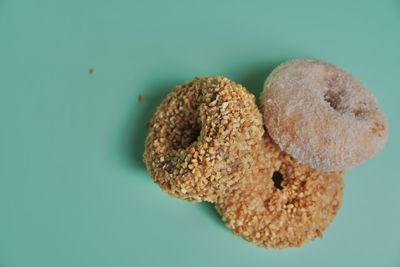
(322, 115)
(202, 138)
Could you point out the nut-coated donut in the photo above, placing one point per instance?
(202, 138)
(322, 115)
(281, 203)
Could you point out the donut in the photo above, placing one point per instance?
(322, 115)
(281, 203)
(202, 138)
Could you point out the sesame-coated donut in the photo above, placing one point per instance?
(202, 138)
(273, 212)
(322, 115)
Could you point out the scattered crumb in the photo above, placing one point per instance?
(141, 98)
(92, 72)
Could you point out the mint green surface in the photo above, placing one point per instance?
(73, 189)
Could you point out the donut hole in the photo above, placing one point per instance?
(337, 97)
(335, 88)
(189, 136)
(333, 98)
(195, 133)
(277, 177)
(184, 124)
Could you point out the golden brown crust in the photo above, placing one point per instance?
(202, 138)
(288, 217)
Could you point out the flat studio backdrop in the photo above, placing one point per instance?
(73, 187)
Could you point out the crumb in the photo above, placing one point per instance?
(141, 98)
(92, 72)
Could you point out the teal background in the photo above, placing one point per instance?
(73, 189)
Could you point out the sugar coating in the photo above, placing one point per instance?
(322, 116)
(278, 218)
(202, 138)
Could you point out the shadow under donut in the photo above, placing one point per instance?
(209, 209)
(253, 76)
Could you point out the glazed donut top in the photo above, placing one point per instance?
(322, 115)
